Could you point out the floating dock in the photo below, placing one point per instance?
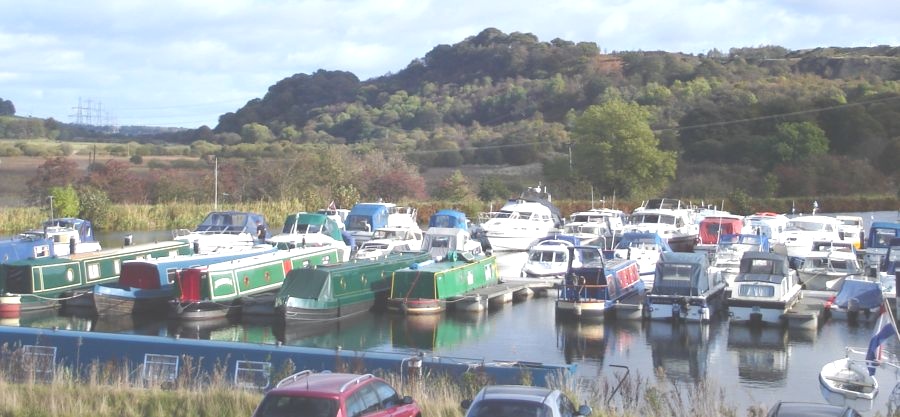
(808, 312)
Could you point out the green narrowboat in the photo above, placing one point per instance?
(425, 287)
(227, 287)
(337, 291)
(35, 284)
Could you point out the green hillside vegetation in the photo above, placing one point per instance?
(761, 122)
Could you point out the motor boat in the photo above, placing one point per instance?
(764, 290)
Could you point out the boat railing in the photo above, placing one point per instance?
(583, 291)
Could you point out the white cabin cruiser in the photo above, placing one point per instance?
(388, 240)
(670, 219)
(764, 290)
(521, 222)
(801, 232)
(226, 231)
(549, 258)
(303, 229)
(596, 227)
(825, 270)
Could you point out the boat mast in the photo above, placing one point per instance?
(216, 185)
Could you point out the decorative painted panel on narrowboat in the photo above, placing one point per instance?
(149, 285)
(337, 291)
(594, 287)
(223, 288)
(35, 284)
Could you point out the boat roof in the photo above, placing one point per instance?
(368, 209)
(649, 237)
(763, 266)
(449, 218)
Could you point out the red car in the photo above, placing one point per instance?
(326, 394)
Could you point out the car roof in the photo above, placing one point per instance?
(515, 392)
(803, 409)
(323, 383)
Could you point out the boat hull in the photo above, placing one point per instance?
(690, 309)
(424, 289)
(49, 283)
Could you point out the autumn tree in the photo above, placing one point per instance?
(54, 172)
(454, 188)
(615, 149)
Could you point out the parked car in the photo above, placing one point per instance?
(801, 409)
(521, 400)
(326, 394)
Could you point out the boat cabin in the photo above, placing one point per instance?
(449, 218)
(711, 228)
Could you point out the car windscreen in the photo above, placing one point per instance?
(509, 408)
(291, 406)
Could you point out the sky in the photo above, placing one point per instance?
(184, 63)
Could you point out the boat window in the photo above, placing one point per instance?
(525, 215)
(806, 226)
(753, 290)
(676, 272)
(760, 266)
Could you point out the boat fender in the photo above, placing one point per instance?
(418, 265)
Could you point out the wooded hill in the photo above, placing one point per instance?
(765, 120)
(761, 122)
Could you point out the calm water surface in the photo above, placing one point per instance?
(754, 366)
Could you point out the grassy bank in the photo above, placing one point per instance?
(180, 215)
(116, 391)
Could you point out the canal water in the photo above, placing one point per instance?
(754, 366)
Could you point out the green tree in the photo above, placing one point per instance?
(65, 201)
(798, 141)
(256, 133)
(454, 188)
(95, 206)
(616, 150)
(491, 188)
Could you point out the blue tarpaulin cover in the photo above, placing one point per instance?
(867, 293)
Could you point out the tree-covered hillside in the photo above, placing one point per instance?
(765, 120)
(750, 122)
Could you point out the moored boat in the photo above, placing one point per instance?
(643, 247)
(522, 221)
(312, 230)
(825, 270)
(331, 292)
(55, 237)
(593, 288)
(670, 219)
(425, 287)
(226, 230)
(390, 239)
(849, 378)
(800, 233)
(365, 218)
(730, 249)
(859, 299)
(148, 285)
(35, 284)
(224, 288)
(683, 289)
(711, 228)
(549, 257)
(764, 290)
(598, 227)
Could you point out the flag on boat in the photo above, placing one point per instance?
(884, 330)
(332, 206)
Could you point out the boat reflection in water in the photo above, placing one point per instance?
(435, 331)
(580, 340)
(762, 353)
(51, 319)
(681, 348)
(359, 332)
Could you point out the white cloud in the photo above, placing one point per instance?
(165, 59)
